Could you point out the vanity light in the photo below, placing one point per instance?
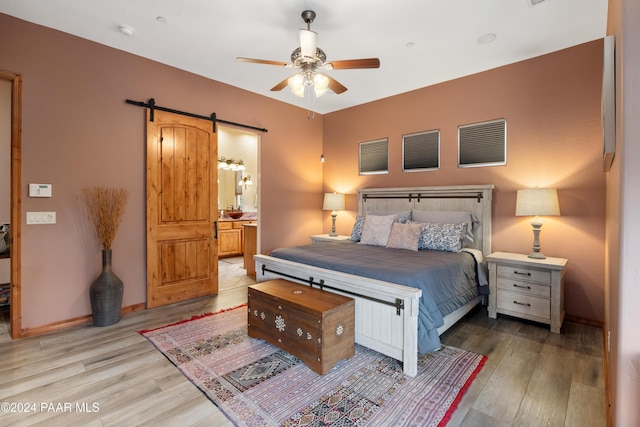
(231, 164)
(246, 181)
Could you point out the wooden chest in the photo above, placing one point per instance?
(311, 324)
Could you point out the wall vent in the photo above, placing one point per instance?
(421, 151)
(482, 144)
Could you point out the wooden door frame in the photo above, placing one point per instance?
(15, 307)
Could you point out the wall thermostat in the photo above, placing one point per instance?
(39, 190)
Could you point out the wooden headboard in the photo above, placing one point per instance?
(476, 199)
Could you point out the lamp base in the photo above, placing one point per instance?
(333, 233)
(537, 255)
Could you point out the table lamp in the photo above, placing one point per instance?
(333, 202)
(537, 202)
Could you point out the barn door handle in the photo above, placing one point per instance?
(215, 230)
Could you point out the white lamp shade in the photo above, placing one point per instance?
(296, 83)
(321, 84)
(537, 202)
(333, 202)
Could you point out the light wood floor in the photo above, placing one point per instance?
(531, 377)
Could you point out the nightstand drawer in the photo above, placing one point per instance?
(523, 273)
(524, 304)
(523, 287)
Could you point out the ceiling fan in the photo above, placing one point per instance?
(310, 60)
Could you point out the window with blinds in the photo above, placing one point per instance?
(374, 157)
(421, 151)
(482, 144)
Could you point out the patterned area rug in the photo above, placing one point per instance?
(256, 384)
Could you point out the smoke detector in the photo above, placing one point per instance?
(126, 30)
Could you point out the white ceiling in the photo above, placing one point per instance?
(205, 37)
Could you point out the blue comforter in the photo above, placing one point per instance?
(448, 280)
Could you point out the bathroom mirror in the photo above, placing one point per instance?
(228, 188)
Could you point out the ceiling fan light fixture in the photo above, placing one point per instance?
(299, 83)
(321, 84)
(296, 84)
(310, 59)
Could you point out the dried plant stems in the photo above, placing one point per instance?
(105, 207)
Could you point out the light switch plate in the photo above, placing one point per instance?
(41, 217)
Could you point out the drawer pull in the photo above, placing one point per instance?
(522, 303)
(515, 285)
(521, 274)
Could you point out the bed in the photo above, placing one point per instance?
(399, 317)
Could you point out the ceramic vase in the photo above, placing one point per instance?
(106, 294)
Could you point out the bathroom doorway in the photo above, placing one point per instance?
(238, 177)
(10, 146)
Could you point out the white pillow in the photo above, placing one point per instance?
(405, 236)
(376, 229)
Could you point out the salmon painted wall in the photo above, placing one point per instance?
(78, 132)
(552, 107)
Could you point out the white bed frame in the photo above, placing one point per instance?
(386, 318)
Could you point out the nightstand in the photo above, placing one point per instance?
(527, 288)
(319, 238)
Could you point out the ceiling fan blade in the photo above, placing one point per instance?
(280, 85)
(308, 43)
(335, 85)
(263, 61)
(354, 63)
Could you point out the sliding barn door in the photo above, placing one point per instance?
(182, 205)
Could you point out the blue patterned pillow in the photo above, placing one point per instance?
(448, 217)
(442, 237)
(356, 232)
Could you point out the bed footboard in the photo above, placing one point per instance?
(386, 314)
